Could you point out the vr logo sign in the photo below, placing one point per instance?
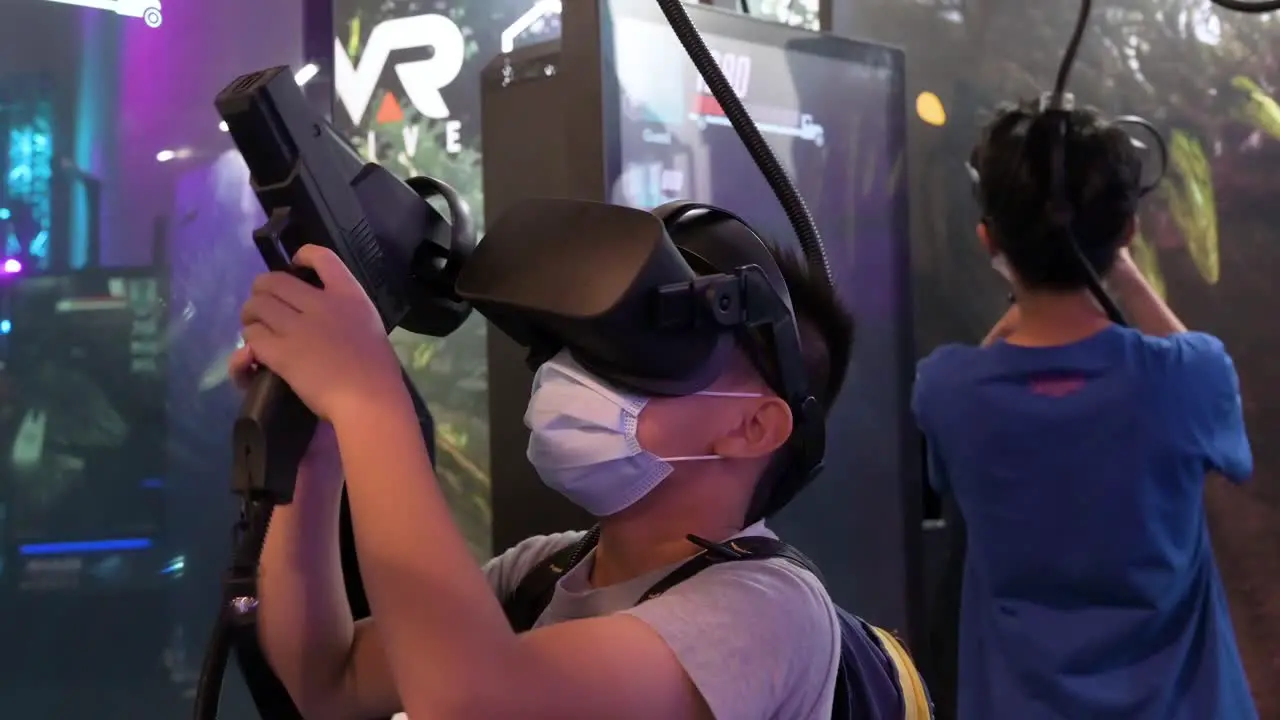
(354, 83)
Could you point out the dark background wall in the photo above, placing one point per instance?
(1206, 78)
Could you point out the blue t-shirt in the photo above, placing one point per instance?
(1090, 588)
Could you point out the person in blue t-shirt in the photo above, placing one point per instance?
(1077, 450)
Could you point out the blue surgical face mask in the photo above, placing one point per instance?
(582, 439)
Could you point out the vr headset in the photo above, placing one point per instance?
(653, 302)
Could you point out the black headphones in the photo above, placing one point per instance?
(750, 287)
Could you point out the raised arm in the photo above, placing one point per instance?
(334, 668)
(1145, 309)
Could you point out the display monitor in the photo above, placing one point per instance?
(84, 431)
(831, 109)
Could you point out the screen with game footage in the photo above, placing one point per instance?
(832, 110)
(84, 431)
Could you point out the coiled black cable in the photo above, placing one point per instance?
(785, 190)
(214, 669)
(1069, 57)
(239, 605)
(1058, 112)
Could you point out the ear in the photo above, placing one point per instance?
(764, 428)
(985, 238)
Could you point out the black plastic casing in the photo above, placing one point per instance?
(296, 161)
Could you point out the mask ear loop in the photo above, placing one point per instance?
(715, 394)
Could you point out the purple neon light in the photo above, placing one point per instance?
(12, 266)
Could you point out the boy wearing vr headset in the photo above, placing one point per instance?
(740, 640)
(1076, 450)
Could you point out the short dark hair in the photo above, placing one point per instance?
(1103, 175)
(826, 327)
(826, 331)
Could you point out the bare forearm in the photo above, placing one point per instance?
(1144, 308)
(305, 623)
(441, 627)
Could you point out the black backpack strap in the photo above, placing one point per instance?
(692, 567)
(525, 604)
(743, 548)
(759, 548)
(851, 697)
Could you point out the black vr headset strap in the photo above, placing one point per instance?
(808, 442)
(526, 603)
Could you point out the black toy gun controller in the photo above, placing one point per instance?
(316, 190)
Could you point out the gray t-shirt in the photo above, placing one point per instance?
(759, 639)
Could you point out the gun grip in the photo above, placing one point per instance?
(270, 438)
(273, 431)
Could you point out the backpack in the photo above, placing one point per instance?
(876, 679)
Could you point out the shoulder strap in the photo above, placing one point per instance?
(907, 687)
(744, 548)
(758, 548)
(525, 604)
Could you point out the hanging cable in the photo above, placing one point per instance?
(1251, 8)
(779, 181)
(1056, 109)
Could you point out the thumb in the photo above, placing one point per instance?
(333, 273)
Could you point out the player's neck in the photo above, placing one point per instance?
(653, 534)
(1048, 319)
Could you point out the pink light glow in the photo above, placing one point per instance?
(12, 266)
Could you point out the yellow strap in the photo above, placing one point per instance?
(914, 697)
